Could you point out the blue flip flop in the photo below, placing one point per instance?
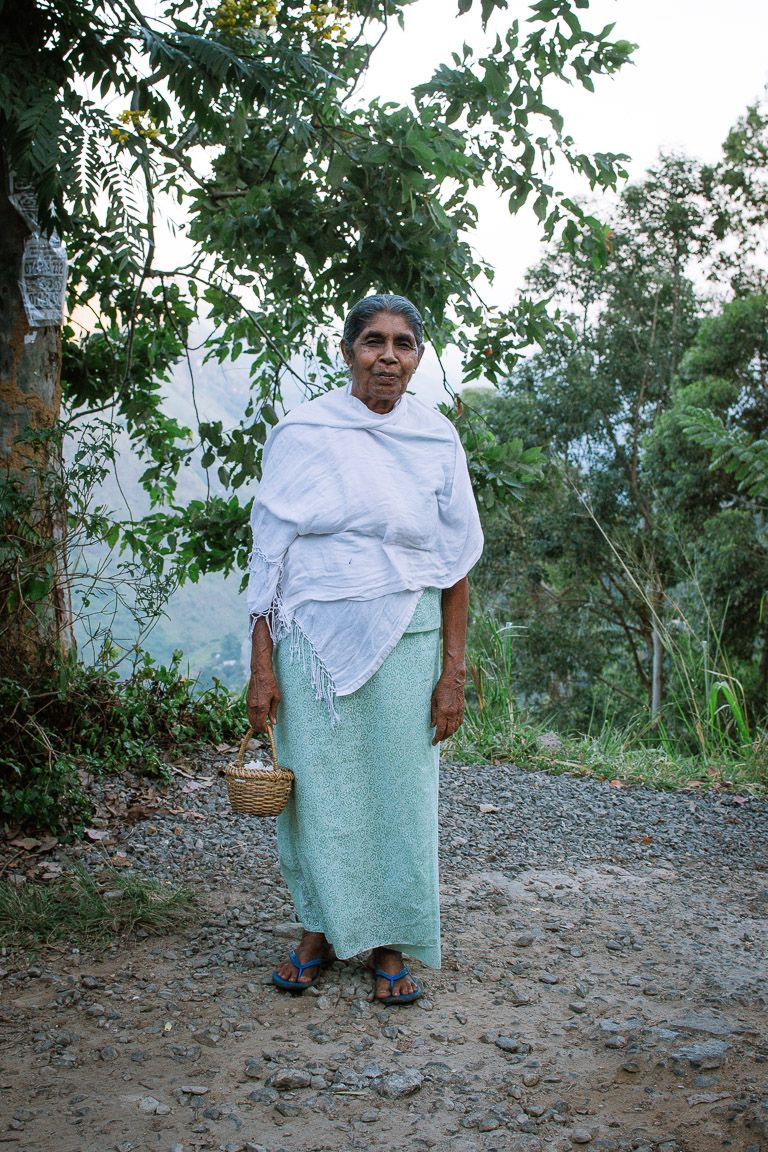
(300, 985)
(410, 996)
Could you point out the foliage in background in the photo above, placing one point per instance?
(79, 719)
(640, 566)
(301, 198)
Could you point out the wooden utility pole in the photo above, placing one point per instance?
(34, 600)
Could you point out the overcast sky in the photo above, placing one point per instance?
(698, 64)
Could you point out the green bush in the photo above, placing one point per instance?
(77, 718)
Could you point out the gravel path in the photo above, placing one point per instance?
(605, 984)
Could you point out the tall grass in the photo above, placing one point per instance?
(707, 699)
(80, 908)
(710, 744)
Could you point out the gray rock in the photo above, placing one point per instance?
(616, 1042)
(289, 1079)
(372, 1071)
(108, 1053)
(548, 978)
(522, 1142)
(507, 1043)
(577, 1006)
(149, 1105)
(524, 941)
(518, 999)
(289, 929)
(370, 1116)
(756, 1117)
(194, 1089)
(264, 1096)
(712, 1023)
(581, 1136)
(400, 1084)
(488, 1123)
(707, 1056)
(253, 1068)
(288, 1109)
(210, 1038)
(526, 1125)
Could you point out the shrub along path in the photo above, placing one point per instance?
(605, 984)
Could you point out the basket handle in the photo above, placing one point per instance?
(244, 745)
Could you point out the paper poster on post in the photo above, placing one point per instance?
(43, 281)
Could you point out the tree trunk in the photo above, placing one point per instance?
(35, 616)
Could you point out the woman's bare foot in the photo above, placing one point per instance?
(313, 946)
(391, 962)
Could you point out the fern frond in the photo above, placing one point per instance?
(731, 449)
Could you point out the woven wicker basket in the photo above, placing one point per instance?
(258, 789)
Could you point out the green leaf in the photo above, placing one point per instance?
(338, 169)
(488, 6)
(540, 206)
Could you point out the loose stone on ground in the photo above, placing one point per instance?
(604, 985)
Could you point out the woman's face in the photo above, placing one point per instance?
(383, 358)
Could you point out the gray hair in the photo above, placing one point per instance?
(359, 315)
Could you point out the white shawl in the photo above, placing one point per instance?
(356, 513)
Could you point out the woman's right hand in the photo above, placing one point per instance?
(262, 698)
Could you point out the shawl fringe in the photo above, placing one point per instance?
(269, 573)
(280, 625)
(320, 678)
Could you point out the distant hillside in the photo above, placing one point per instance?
(208, 620)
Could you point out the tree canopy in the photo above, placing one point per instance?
(299, 196)
(643, 563)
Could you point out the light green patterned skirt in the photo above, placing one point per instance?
(358, 838)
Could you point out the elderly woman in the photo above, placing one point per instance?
(364, 530)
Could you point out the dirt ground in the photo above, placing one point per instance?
(613, 1006)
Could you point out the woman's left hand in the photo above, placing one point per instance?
(448, 704)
